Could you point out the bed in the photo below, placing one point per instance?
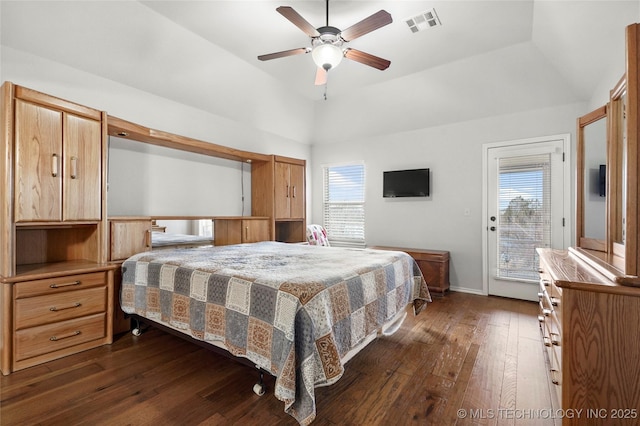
(296, 311)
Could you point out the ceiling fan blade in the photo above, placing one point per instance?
(283, 54)
(373, 22)
(321, 76)
(298, 21)
(367, 59)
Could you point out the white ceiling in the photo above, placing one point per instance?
(486, 51)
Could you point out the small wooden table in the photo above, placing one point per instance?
(434, 265)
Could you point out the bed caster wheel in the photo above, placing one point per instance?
(259, 389)
(136, 332)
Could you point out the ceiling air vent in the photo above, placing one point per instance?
(423, 21)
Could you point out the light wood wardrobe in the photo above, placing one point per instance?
(56, 294)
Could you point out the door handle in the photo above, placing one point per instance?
(493, 228)
(54, 165)
(74, 167)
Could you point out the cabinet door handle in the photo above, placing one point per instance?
(147, 238)
(65, 336)
(288, 190)
(64, 284)
(56, 309)
(294, 191)
(74, 167)
(54, 165)
(246, 233)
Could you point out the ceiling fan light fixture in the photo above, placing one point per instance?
(327, 55)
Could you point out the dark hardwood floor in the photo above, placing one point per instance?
(466, 354)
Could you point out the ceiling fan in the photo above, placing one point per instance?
(327, 42)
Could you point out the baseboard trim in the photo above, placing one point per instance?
(467, 290)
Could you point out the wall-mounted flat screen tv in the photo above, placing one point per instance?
(405, 183)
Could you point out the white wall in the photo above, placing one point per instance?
(454, 155)
(150, 180)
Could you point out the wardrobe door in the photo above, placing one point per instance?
(282, 191)
(38, 156)
(296, 174)
(82, 144)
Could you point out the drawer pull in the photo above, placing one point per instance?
(66, 336)
(545, 282)
(56, 309)
(554, 301)
(65, 284)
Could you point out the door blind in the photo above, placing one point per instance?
(524, 221)
(343, 215)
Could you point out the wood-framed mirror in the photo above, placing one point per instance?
(617, 152)
(619, 260)
(629, 160)
(591, 193)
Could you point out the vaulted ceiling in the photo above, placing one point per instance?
(486, 58)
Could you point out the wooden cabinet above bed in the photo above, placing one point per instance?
(128, 236)
(238, 230)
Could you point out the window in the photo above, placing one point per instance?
(343, 204)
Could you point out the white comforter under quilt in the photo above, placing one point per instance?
(294, 310)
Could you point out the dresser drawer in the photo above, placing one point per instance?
(60, 284)
(555, 375)
(51, 308)
(31, 342)
(555, 295)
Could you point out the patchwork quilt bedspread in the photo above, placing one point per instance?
(294, 310)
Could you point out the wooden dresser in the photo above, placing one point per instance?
(434, 265)
(591, 331)
(57, 313)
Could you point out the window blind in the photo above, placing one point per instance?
(525, 214)
(343, 206)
